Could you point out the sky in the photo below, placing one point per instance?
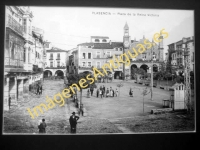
(65, 27)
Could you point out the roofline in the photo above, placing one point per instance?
(103, 37)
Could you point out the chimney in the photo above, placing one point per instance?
(110, 42)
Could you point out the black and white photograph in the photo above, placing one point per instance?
(98, 70)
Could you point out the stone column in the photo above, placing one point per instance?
(20, 89)
(25, 87)
(13, 91)
(6, 94)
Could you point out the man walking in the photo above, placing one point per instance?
(103, 90)
(91, 90)
(73, 121)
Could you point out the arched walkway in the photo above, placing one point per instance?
(144, 66)
(59, 73)
(47, 73)
(87, 72)
(118, 75)
(155, 68)
(132, 71)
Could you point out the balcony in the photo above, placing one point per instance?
(84, 68)
(61, 67)
(58, 58)
(13, 63)
(28, 67)
(14, 25)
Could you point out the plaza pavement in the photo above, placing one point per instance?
(123, 106)
(101, 112)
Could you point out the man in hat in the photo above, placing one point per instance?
(73, 121)
(42, 126)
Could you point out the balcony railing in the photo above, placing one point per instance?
(13, 24)
(58, 58)
(14, 62)
(61, 67)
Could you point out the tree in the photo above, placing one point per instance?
(75, 78)
(167, 75)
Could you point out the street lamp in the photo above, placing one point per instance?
(152, 70)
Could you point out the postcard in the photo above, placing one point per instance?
(96, 70)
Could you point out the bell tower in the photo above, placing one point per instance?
(161, 49)
(126, 38)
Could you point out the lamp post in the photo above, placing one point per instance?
(152, 71)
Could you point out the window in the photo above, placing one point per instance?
(108, 54)
(96, 40)
(192, 56)
(83, 64)
(89, 64)
(58, 63)
(98, 64)
(98, 54)
(58, 55)
(104, 40)
(51, 64)
(89, 55)
(24, 25)
(83, 56)
(121, 49)
(51, 56)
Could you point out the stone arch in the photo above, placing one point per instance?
(132, 71)
(118, 75)
(155, 68)
(59, 73)
(47, 73)
(145, 67)
(133, 66)
(87, 72)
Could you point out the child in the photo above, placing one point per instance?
(116, 93)
(107, 92)
(131, 93)
(100, 92)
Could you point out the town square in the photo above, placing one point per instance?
(98, 72)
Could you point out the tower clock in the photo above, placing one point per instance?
(126, 38)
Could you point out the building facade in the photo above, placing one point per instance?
(95, 54)
(101, 49)
(18, 53)
(156, 53)
(176, 54)
(55, 63)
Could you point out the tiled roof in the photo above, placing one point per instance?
(100, 37)
(54, 49)
(103, 45)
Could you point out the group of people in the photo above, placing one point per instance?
(102, 92)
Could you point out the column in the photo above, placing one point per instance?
(13, 90)
(25, 88)
(6, 94)
(20, 90)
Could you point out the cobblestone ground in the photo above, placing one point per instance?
(18, 120)
(123, 114)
